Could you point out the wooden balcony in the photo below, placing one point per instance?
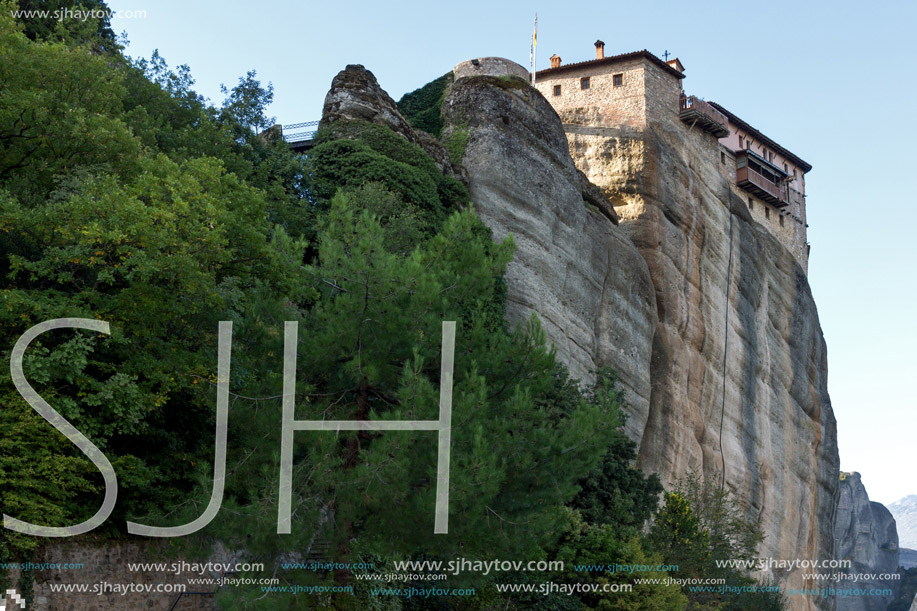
(697, 112)
(761, 178)
(756, 184)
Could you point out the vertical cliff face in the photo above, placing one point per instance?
(738, 371)
(572, 266)
(736, 317)
(663, 276)
(727, 376)
(866, 535)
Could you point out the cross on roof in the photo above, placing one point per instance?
(666, 55)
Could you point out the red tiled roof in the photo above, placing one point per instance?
(613, 59)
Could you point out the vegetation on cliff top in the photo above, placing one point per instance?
(423, 107)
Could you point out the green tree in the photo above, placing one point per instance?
(679, 536)
(247, 101)
(906, 591)
(105, 213)
(85, 22)
(352, 153)
(616, 493)
(369, 349)
(730, 534)
(598, 544)
(59, 114)
(701, 528)
(423, 107)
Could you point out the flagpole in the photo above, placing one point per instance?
(534, 48)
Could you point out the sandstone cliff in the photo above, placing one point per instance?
(655, 296)
(735, 317)
(573, 266)
(712, 271)
(866, 535)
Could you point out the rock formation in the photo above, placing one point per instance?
(866, 535)
(907, 558)
(905, 513)
(573, 266)
(713, 271)
(656, 296)
(355, 94)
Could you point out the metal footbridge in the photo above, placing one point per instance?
(300, 136)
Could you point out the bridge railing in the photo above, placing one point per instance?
(299, 136)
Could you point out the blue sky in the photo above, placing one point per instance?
(833, 82)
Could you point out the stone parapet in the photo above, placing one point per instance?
(489, 66)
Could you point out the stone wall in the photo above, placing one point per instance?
(649, 96)
(490, 66)
(663, 92)
(788, 227)
(602, 103)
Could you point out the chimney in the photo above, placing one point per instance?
(555, 61)
(599, 49)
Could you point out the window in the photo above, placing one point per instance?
(786, 168)
(617, 80)
(722, 157)
(767, 212)
(781, 220)
(584, 83)
(741, 142)
(770, 156)
(556, 89)
(751, 203)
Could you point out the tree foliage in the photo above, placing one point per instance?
(352, 153)
(72, 22)
(702, 528)
(907, 590)
(423, 107)
(617, 494)
(116, 203)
